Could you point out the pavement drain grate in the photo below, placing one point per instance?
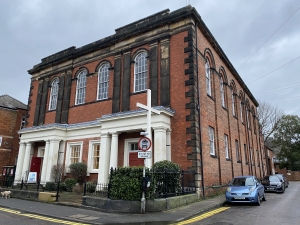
(77, 216)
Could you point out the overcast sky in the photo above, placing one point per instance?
(261, 38)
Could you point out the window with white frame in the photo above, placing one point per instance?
(211, 140)
(237, 150)
(241, 106)
(81, 86)
(226, 146)
(94, 156)
(74, 153)
(233, 102)
(248, 119)
(103, 78)
(222, 92)
(140, 72)
(53, 94)
(208, 78)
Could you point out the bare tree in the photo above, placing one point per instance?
(268, 117)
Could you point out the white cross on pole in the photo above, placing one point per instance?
(149, 135)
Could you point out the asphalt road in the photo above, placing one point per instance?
(277, 210)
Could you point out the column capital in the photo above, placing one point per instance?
(160, 128)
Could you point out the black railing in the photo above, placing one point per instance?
(170, 183)
(163, 184)
(96, 190)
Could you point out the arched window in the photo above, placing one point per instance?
(103, 77)
(208, 78)
(233, 102)
(81, 85)
(241, 106)
(140, 72)
(53, 94)
(222, 92)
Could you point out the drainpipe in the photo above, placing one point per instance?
(199, 116)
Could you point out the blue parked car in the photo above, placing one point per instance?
(246, 189)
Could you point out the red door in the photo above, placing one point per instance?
(134, 160)
(36, 165)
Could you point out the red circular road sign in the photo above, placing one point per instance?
(144, 144)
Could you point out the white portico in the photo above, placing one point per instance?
(133, 121)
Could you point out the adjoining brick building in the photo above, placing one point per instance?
(83, 100)
(12, 118)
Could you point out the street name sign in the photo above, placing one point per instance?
(144, 155)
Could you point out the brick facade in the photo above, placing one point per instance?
(178, 45)
(10, 123)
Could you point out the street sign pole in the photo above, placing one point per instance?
(148, 134)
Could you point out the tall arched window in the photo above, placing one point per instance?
(222, 92)
(208, 78)
(233, 102)
(140, 72)
(242, 115)
(81, 85)
(103, 77)
(53, 94)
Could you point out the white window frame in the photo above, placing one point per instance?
(91, 156)
(140, 72)
(226, 146)
(68, 153)
(222, 92)
(242, 115)
(233, 102)
(211, 133)
(248, 119)
(41, 152)
(81, 87)
(103, 79)
(54, 94)
(237, 150)
(208, 78)
(127, 149)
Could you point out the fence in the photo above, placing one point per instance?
(164, 184)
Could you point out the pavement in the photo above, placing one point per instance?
(88, 215)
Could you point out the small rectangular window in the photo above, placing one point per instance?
(96, 156)
(211, 140)
(75, 154)
(226, 146)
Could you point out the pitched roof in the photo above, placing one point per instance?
(11, 103)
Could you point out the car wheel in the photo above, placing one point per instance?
(258, 200)
(283, 189)
(264, 197)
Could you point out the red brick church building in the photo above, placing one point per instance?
(83, 104)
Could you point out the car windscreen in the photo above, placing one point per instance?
(273, 178)
(242, 181)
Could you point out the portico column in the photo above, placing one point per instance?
(104, 158)
(45, 162)
(114, 151)
(61, 153)
(18, 173)
(52, 158)
(160, 152)
(25, 168)
(168, 145)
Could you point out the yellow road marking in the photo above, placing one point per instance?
(203, 216)
(42, 217)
